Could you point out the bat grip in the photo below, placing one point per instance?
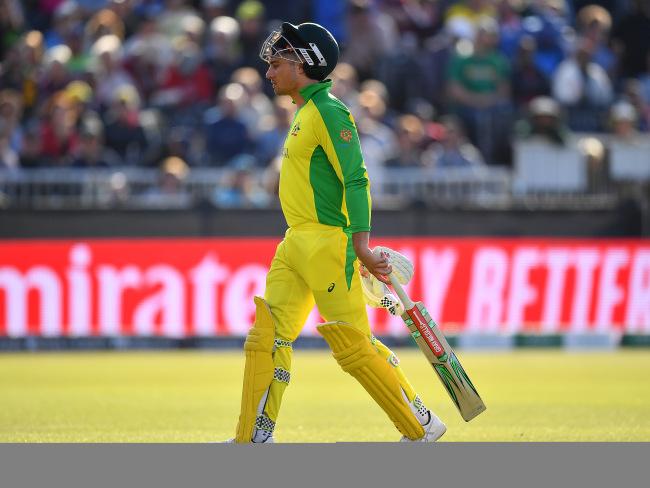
(401, 293)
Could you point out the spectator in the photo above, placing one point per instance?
(633, 93)
(411, 138)
(594, 23)
(67, 17)
(55, 75)
(623, 121)
(345, 85)
(273, 130)
(583, 87)
(423, 19)
(211, 9)
(172, 20)
(59, 137)
(147, 52)
(30, 153)
(91, 151)
(226, 133)
(251, 16)
(377, 139)
(511, 26)
(12, 23)
(110, 76)
(257, 105)
(222, 51)
(371, 36)
(644, 82)
(170, 190)
(526, 79)
(463, 18)
(103, 23)
(547, 22)
(479, 89)
(544, 122)
(10, 115)
(453, 150)
(631, 41)
(124, 132)
(9, 158)
(186, 82)
(239, 186)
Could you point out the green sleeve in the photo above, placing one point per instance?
(342, 147)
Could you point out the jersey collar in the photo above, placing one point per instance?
(309, 91)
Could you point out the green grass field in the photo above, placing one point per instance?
(541, 395)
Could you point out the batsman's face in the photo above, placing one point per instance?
(283, 75)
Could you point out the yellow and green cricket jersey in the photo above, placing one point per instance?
(323, 177)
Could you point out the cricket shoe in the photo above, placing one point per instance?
(434, 429)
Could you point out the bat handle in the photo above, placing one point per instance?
(401, 293)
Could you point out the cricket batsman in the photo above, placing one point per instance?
(325, 198)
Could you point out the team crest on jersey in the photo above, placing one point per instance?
(296, 128)
(346, 135)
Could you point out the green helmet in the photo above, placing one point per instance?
(312, 44)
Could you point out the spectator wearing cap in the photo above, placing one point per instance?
(226, 134)
(55, 74)
(110, 75)
(103, 23)
(67, 17)
(623, 121)
(222, 50)
(594, 23)
(544, 122)
(632, 92)
(463, 18)
(251, 16)
(91, 151)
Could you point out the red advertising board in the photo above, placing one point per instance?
(186, 287)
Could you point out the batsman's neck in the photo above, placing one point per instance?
(296, 96)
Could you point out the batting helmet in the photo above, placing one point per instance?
(313, 45)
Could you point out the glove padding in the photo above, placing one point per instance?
(402, 266)
(375, 292)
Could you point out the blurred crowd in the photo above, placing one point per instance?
(178, 84)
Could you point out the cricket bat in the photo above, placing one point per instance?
(439, 353)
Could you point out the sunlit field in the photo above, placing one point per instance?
(540, 395)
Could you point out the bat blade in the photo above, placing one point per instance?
(442, 358)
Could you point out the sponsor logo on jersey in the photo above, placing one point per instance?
(295, 129)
